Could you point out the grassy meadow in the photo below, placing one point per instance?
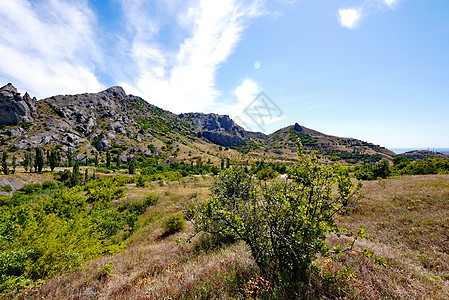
(406, 219)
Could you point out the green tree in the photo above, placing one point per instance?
(14, 164)
(108, 158)
(228, 163)
(39, 160)
(86, 176)
(222, 163)
(131, 166)
(75, 178)
(69, 158)
(117, 159)
(96, 159)
(53, 159)
(284, 223)
(30, 161)
(4, 163)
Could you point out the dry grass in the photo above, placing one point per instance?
(407, 219)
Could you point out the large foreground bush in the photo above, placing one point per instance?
(284, 222)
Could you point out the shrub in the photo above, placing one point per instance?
(284, 223)
(4, 200)
(50, 185)
(30, 188)
(6, 188)
(174, 223)
(141, 181)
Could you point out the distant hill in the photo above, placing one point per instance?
(90, 123)
(422, 154)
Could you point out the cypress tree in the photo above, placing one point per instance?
(39, 160)
(131, 166)
(117, 159)
(4, 163)
(75, 179)
(14, 163)
(53, 160)
(108, 158)
(69, 158)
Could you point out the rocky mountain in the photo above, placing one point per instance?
(90, 123)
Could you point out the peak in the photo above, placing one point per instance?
(298, 127)
(116, 91)
(9, 88)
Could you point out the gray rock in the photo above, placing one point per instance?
(103, 143)
(15, 132)
(13, 108)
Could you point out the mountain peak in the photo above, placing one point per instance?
(116, 91)
(9, 88)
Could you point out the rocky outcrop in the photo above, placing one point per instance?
(15, 109)
(219, 129)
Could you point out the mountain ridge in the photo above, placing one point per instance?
(91, 123)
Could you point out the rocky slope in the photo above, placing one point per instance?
(90, 123)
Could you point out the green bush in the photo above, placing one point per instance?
(174, 223)
(50, 185)
(284, 223)
(6, 188)
(141, 181)
(4, 200)
(30, 188)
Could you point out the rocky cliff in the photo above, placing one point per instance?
(14, 108)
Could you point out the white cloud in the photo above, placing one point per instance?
(184, 80)
(349, 17)
(391, 3)
(250, 111)
(48, 46)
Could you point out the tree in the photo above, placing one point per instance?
(53, 159)
(284, 222)
(228, 163)
(108, 158)
(96, 159)
(27, 161)
(131, 166)
(14, 164)
(69, 158)
(222, 163)
(75, 178)
(39, 160)
(4, 163)
(117, 159)
(30, 161)
(86, 176)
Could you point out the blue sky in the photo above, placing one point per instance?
(376, 70)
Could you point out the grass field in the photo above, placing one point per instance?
(406, 218)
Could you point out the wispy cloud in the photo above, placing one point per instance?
(48, 46)
(391, 3)
(349, 17)
(184, 79)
